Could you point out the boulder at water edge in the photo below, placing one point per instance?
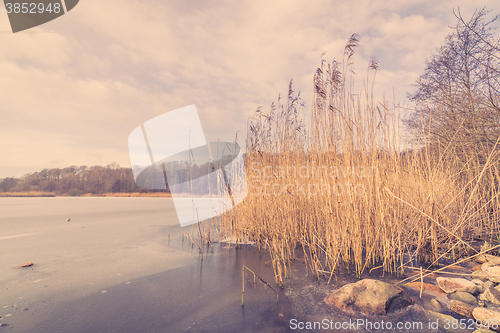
(371, 297)
(450, 285)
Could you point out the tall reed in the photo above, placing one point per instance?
(347, 193)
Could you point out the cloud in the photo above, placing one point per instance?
(75, 94)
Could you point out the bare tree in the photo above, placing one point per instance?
(458, 96)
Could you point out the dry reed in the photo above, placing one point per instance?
(27, 194)
(347, 194)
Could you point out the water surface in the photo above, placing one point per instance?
(121, 265)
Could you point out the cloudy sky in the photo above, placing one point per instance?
(73, 89)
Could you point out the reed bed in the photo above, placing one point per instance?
(27, 194)
(347, 193)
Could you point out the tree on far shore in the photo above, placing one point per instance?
(75, 180)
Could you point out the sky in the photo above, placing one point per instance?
(73, 89)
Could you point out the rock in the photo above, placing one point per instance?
(488, 284)
(476, 268)
(462, 308)
(371, 297)
(450, 285)
(67, 220)
(461, 268)
(426, 286)
(435, 303)
(436, 315)
(28, 264)
(479, 275)
(493, 272)
(487, 265)
(486, 315)
(479, 284)
(482, 258)
(491, 295)
(462, 296)
(483, 330)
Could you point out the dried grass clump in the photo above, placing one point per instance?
(27, 194)
(347, 194)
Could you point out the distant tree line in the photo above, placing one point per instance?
(76, 180)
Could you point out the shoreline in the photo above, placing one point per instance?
(39, 194)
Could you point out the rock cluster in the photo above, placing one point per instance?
(477, 297)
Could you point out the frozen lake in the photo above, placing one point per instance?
(120, 265)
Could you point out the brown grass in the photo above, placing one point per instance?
(426, 203)
(27, 194)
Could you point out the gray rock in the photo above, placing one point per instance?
(371, 297)
(491, 295)
(485, 314)
(461, 308)
(482, 258)
(480, 285)
(463, 296)
(488, 284)
(479, 275)
(493, 272)
(435, 304)
(436, 315)
(450, 285)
